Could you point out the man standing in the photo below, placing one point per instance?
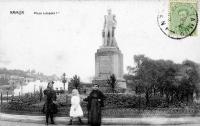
(50, 107)
(95, 103)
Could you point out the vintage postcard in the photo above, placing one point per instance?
(110, 62)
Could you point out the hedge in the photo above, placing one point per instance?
(115, 105)
(123, 101)
(117, 100)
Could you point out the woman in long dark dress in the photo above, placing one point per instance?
(95, 103)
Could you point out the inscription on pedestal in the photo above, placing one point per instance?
(105, 66)
(108, 61)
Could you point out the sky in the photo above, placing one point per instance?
(67, 41)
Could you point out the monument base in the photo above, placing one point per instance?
(108, 61)
(106, 88)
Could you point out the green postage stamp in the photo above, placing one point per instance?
(183, 18)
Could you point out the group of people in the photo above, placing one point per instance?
(95, 102)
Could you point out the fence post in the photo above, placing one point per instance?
(7, 96)
(1, 98)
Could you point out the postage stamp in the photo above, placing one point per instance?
(183, 18)
(180, 20)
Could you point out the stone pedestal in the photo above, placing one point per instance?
(108, 60)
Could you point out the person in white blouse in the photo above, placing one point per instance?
(75, 110)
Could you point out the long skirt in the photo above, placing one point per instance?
(94, 114)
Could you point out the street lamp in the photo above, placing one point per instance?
(64, 80)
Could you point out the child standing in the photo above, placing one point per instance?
(75, 110)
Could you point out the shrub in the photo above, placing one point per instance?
(124, 101)
(116, 100)
(157, 101)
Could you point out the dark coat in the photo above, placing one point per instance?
(49, 106)
(95, 94)
(95, 103)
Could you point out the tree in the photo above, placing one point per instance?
(167, 83)
(144, 74)
(172, 81)
(154, 76)
(190, 80)
(112, 82)
(74, 83)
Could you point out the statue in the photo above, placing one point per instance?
(109, 30)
